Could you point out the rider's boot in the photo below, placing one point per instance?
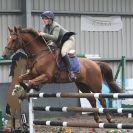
(68, 65)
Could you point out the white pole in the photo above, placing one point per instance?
(31, 113)
(129, 115)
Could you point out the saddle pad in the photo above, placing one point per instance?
(75, 64)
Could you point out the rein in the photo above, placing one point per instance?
(48, 46)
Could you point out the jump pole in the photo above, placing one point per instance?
(79, 109)
(84, 124)
(80, 95)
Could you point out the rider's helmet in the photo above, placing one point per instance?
(48, 14)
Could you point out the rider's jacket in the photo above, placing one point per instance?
(54, 32)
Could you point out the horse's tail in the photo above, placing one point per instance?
(107, 75)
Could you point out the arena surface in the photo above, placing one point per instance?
(85, 118)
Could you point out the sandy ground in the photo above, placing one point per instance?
(84, 118)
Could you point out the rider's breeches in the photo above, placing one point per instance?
(67, 46)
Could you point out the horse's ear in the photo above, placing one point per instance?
(15, 29)
(20, 28)
(10, 30)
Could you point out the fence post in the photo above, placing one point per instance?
(121, 66)
(123, 72)
(31, 113)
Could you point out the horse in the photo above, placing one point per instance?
(44, 68)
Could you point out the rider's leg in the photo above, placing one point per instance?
(68, 65)
(67, 46)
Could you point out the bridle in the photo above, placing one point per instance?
(14, 48)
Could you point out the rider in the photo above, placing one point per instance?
(54, 32)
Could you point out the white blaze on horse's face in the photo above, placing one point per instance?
(10, 47)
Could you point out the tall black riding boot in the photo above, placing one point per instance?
(68, 65)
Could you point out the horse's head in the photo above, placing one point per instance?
(13, 43)
(27, 39)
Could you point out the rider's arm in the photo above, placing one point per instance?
(54, 36)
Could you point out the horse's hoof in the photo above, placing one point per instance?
(26, 88)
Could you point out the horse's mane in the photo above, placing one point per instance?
(33, 32)
(15, 58)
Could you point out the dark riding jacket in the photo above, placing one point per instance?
(54, 32)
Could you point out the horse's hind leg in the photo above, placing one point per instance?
(103, 103)
(92, 101)
(85, 89)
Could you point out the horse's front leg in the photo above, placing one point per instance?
(39, 80)
(26, 76)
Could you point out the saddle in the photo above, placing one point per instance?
(57, 53)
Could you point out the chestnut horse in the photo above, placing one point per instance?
(43, 62)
